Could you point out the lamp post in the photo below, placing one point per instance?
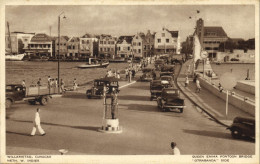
(59, 51)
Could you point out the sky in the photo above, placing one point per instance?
(238, 21)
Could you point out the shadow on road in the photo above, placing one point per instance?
(140, 107)
(74, 95)
(91, 128)
(134, 98)
(215, 134)
(23, 134)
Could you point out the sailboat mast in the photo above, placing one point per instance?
(9, 37)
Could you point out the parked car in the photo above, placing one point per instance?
(170, 100)
(98, 87)
(156, 87)
(242, 126)
(158, 64)
(148, 74)
(16, 92)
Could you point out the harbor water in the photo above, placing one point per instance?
(238, 70)
(29, 71)
(32, 71)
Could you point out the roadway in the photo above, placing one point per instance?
(72, 122)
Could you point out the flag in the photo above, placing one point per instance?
(198, 11)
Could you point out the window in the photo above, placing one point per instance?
(68, 47)
(139, 43)
(101, 49)
(83, 42)
(134, 43)
(105, 49)
(108, 49)
(128, 48)
(112, 49)
(101, 42)
(105, 42)
(112, 42)
(144, 47)
(118, 48)
(159, 40)
(163, 34)
(87, 41)
(73, 47)
(167, 40)
(139, 50)
(64, 44)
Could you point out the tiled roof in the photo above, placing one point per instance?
(127, 38)
(41, 38)
(218, 30)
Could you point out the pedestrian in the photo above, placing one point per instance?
(198, 86)
(220, 87)
(39, 82)
(62, 84)
(186, 81)
(113, 103)
(49, 82)
(75, 85)
(23, 84)
(133, 73)
(175, 149)
(37, 124)
(129, 76)
(126, 74)
(109, 73)
(56, 84)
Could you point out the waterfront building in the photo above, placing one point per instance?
(149, 44)
(18, 40)
(73, 47)
(210, 37)
(167, 42)
(88, 45)
(63, 46)
(40, 45)
(107, 46)
(138, 45)
(241, 55)
(124, 46)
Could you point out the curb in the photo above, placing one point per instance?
(127, 84)
(194, 102)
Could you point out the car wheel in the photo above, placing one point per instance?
(8, 103)
(236, 133)
(43, 101)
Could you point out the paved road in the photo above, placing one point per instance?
(72, 122)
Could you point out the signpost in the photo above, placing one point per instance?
(228, 82)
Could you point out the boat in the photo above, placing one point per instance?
(118, 60)
(14, 57)
(94, 63)
(38, 58)
(9, 54)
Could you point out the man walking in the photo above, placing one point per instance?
(198, 86)
(175, 150)
(37, 124)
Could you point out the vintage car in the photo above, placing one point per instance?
(169, 79)
(97, 91)
(168, 68)
(170, 100)
(156, 87)
(148, 74)
(242, 127)
(158, 64)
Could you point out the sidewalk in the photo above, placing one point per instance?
(209, 103)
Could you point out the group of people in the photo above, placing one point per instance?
(129, 74)
(115, 74)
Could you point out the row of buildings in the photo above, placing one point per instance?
(214, 40)
(103, 46)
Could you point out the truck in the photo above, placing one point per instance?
(32, 94)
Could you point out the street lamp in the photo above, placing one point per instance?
(59, 50)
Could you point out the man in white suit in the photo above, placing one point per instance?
(37, 124)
